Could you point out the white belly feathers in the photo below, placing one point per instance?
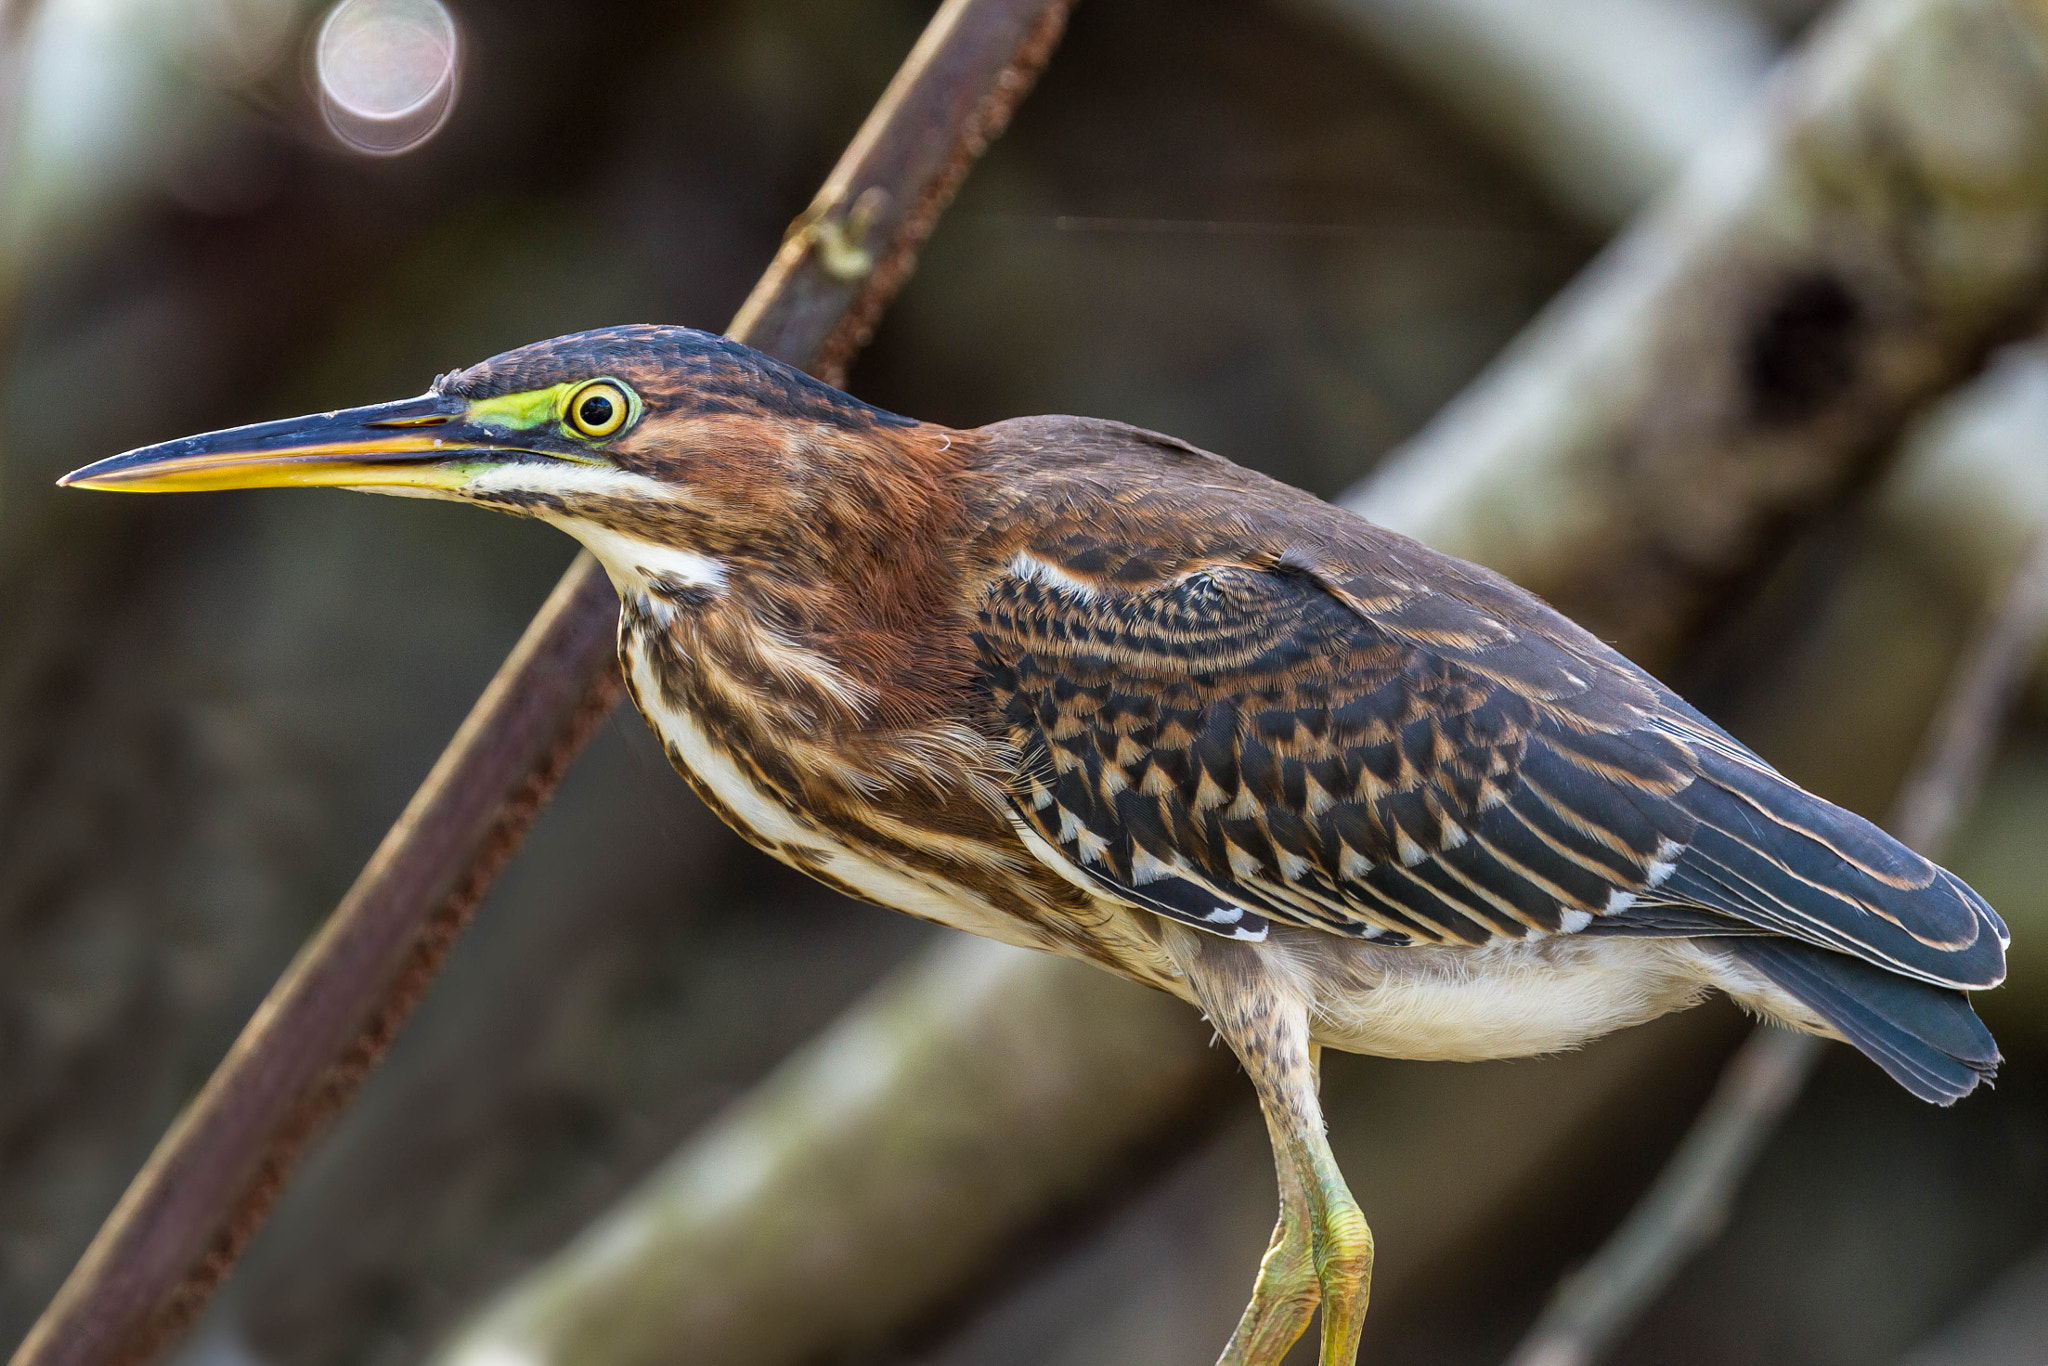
(1507, 999)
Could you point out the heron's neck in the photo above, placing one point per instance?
(845, 601)
(726, 674)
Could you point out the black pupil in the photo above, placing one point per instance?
(595, 411)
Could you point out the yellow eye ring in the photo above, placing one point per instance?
(598, 409)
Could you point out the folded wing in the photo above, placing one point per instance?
(1414, 752)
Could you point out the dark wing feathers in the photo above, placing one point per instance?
(1419, 753)
(1769, 852)
(1251, 734)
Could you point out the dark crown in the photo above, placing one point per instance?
(679, 369)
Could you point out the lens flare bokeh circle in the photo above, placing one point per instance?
(387, 71)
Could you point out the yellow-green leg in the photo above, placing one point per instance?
(1343, 1257)
(1284, 1297)
(1322, 1249)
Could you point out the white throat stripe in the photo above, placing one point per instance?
(634, 563)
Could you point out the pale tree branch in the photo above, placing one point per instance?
(1957, 749)
(212, 1179)
(17, 22)
(838, 1183)
(17, 18)
(1601, 101)
(1748, 350)
(1686, 1207)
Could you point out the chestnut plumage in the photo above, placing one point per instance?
(1089, 689)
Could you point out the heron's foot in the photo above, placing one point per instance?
(1283, 1300)
(1343, 1266)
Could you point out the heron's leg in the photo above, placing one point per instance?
(1264, 1019)
(1284, 1297)
(1343, 1255)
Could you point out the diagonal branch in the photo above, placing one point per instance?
(213, 1177)
(1686, 1207)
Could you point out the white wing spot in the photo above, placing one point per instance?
(1316, 801)
(1145, 868)
(1053, 858)
(1027, 566)
(1665, 863)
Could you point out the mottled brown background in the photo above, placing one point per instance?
(211, 707)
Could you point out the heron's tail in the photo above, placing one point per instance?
(1926, 1036)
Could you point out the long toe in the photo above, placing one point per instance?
(1283, 1300)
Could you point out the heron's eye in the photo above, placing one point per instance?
(598, 409)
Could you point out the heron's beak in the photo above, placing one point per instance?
(435, 443)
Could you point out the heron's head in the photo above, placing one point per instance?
(628, 438)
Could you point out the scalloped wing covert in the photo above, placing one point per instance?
(1275, 739)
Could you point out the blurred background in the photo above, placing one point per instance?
(1290, 231)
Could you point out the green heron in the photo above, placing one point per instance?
(1089, 689)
